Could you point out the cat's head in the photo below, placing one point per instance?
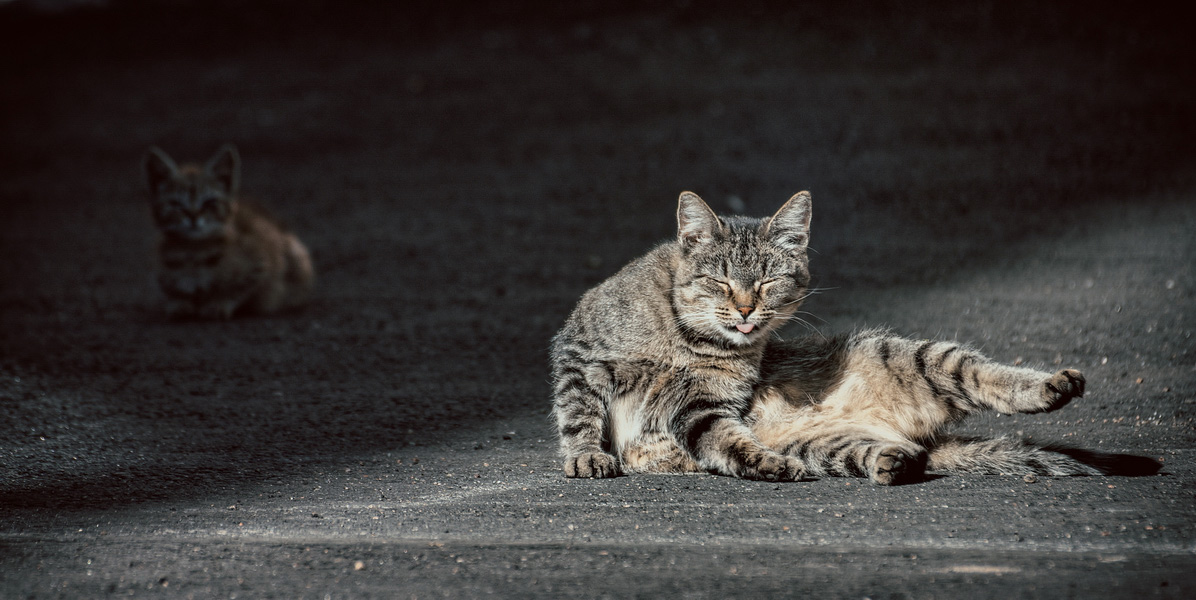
(193, 201)
(739, 278)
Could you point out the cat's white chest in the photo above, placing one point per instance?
(627, 421)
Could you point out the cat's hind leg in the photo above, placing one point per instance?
(894, 464)
(1009, 389)
(852, 453)
(828, 444)
(963, 380)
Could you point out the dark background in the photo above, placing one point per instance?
(1016, 174)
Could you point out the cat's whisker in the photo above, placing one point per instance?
(795, 317)
(809, 325)
(812, 315)
(803, 298)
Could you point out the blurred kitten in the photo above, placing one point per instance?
(220, 255)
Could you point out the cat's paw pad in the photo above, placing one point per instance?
(776, 467)
(1062, 387)
(595, 465)
(895, 465)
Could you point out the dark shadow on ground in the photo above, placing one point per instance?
(1111, 463)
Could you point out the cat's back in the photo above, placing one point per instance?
(285, 262)
(628, 309)
(256, 226)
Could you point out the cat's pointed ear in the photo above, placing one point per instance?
(790, 227)
(158, 168)
(225, 166)
(696, 223)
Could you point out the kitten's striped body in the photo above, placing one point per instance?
(650, 376)
(219, 255)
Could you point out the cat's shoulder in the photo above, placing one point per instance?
(644, 274)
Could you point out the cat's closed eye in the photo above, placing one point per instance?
(762, 286)
(723, 285)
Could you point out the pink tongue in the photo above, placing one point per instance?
(745, 327)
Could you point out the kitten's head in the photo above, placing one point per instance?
(193, 201)
(740, 278)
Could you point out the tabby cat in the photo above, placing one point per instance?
(220, 255)
(668, 367)
(656, 368)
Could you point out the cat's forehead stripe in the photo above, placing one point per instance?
(746, 254)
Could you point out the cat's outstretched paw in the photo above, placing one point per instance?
(595, 465)
(776, 467)
(1062, 387)
(895, 465)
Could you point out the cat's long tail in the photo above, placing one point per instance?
(1005, 456)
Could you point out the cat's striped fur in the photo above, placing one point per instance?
(877, 405)
(667, 367)
(220, 255)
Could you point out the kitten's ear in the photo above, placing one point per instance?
(225, 166)
(158, 168)
(790, 227)
(696, 223)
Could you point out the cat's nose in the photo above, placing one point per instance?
(744, 310)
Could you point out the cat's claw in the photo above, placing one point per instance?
(595, 465)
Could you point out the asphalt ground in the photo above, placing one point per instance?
(1016, 176)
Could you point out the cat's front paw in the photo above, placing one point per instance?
(596, 465)
(1062, 387)
(776, 467)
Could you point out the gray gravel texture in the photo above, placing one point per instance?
(1009, 174)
